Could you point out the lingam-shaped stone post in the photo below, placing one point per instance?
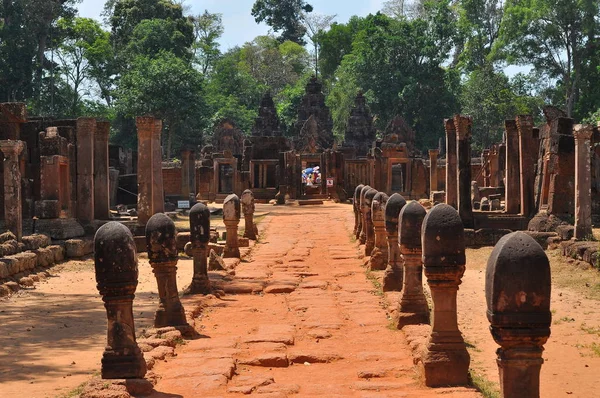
(248, 209)
(231, 218)
(446, 360)
(362, 238)
(370, 230)
(413, 305)
(392, 279)
(199, 237)
(357, 213)
(117, 278)
(379, 255)
(517, 291)
(162, 254)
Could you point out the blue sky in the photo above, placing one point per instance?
(239, 24)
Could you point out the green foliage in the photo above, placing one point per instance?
(284, 16)
(287, 102)
(208, 28)
(151, 36)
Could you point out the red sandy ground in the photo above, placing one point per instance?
(315, 325)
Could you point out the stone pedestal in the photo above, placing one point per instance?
(413, 304)
(583, 184)
(250, 230)
(162, 255)
(101, 176)
(231, 218)
(158, 196)
(528, 153)
(463, 148)
(517, 291)
(368, 220)
(117, 277)
(362, 237)
(13, 216)
(451, 173)
(433, 177)
(513, 168)
(357, 213)
(199, 238)
(86, 131)
(393, 277)
(379, 254)
(446, 360)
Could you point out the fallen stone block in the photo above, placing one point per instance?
(215, 262)
(58, 252)
(45, 257)
(243, 242)
(76, 248)
(27, 261)
(59, 228)
(35, 241)
(6, 236)
(26, 281)
(4, 270)
(181, 239)
(13, 286)
(9, 247)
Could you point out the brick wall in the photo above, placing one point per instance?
(172, 181)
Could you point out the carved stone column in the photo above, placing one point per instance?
(250, 230)
(231, 218)
(451, 189)
(363, 211)
(162, 255)
(463, 148)
(158, 197)
(145, 127)
(117, 278)
(517, 290)
(513, 168)
(370, 230)
(413, 304)
(392, 280)
(13, 215)
(185, 173)
(446, 360)
(379, 254)
(101, 176)
(200, 236)
(583, 184)
(528, 153)
(357, 213)
(86, 130)
(433, 176)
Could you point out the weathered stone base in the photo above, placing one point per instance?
(378, 260)
(76, 248)
(115, 366)
(175, 317)
(393, 279)
(200, 285)
(98, 388)
(231, 252)
(59, 228)
(412, 318)
(446, 368)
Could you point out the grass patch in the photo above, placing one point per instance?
(472, 346)
(487, 388)
(77, 391)
(563, 320)
(585, 282)
(590, 329)
(376, 284)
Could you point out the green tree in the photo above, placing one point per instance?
(152, 36)
(336, 43)
(208, 28)
(284, 16)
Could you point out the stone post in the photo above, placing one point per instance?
(379, 254)
(369, 228)
(433, 176)
(199, 237)
(513, 168)
(162, 255)
(502, 166)
(158, 197)
(113, 183)
(392, 279)
(485, 164)
(494, 166)
(446, 360)
(357, 213)
(451, 190)
(362, 238)
(528, 153)
(185, 173)
(231, 218)
(13, 215)
(463, 148)
(145, 127)
(86, 130)
(117, 278)
(413, 304)
(583, 184)
(250, 230)
(517, 291)
(101, 176)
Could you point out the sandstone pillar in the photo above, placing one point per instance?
(517, 290)
(485, 163)
(250, 230)
(145, 128)
(513, 171)
(162, 255)
(369, 228)
(392, 280)
(117, 278)
(362, 238)
(86, 130)
(494, 166)
(185, 173)
(158, 197)
(451, 173)
(446, 360)
(379, 254)
(231, 218)
(101, 174)
(13, 216)
(463, 149)
(502, 167)
(528, 153)
(113, 184)
(433, 176)
(200, 236)
(12, 115)
(357, 213)
(583, 184)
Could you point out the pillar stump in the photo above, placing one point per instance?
(101, 173)
(451, 191)
(250, 230)
(463, 182)
(446, 360)
(433, 176)
(199, 237)
(356, 208)
(393, 277)
(583, 185)
(116, 268)
(13, 215)
(413, 308)
(162, 255)
(369, 228)
(231, 218)
(86, 131)
(379, 254)
(517, 291)
(362, 237)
